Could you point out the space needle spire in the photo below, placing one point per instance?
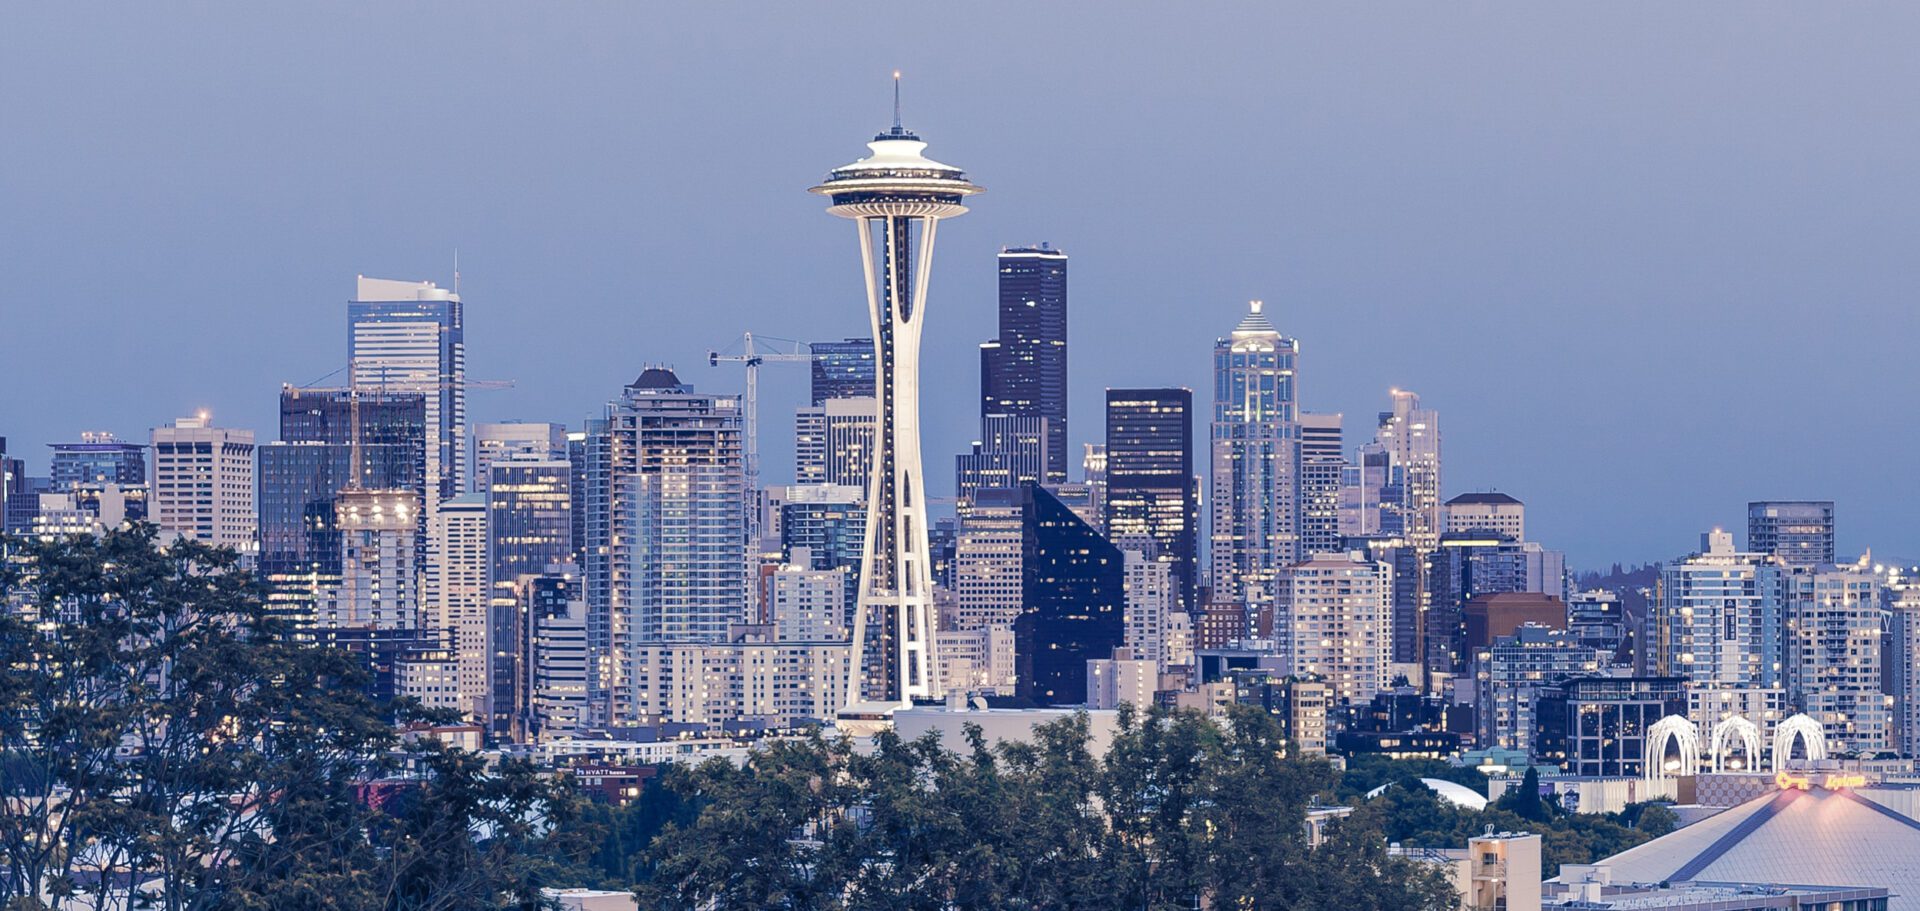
(896, 197)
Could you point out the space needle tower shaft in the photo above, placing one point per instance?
(896, 197)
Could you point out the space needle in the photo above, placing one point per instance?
(896, 197)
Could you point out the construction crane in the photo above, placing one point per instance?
(353, 390)
(786, 351)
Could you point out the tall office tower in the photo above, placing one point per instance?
(1149, 480)
(842, 370)
(1510, 674)
(986, 561)
(1333, 620)
(1483, 513)
(1465, 566)
(1718, 617)
(1256, 454)
(833, 442)
(666, 527)
(558, 662)
(529, 527)
(1023, 371)
(1410, 437)
(1834, 657)
(898, 197)
(1799, 532)
(514, 440)
(314, 460)
(457, 601)
(410, 337)
(1072, 600)
(1011, 451)
(1152, 596)
(203, 484)
(1903, 664)
(98, 459)
(379, 587)
(1323, 466)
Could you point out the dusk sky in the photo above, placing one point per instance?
(1649, 261)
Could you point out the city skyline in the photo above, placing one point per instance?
(1570, 422)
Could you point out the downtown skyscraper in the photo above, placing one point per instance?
(1256, 458)
(410, 337)
(1023, 371)
(1150, 486)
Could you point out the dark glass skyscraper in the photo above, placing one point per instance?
(1024, 370)
(1073, 600)
(301, 475)
(1150, 484)
(842, 370)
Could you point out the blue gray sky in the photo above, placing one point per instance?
(1649, 261)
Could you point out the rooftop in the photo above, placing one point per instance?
(1490, 498)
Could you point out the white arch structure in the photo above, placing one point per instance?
(1735, 730)
(1675, 729)
(1805, 728)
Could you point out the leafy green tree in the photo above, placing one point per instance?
(158, 725)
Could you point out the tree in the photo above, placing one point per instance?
(160, 727)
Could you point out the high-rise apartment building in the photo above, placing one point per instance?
(1152, 597)
(842, 370)
(558, 665)
(1332, 621)
(1719, 618)
(666, 527)
(1023, 371)
(1011, 451)
(1833, 619)
(98, 458)
(1323, 466)
(203, 485)
(1149, 489)
(833, 442)
(1799, 532)
(1073, 600)
(514, 440)
(1256, 455)
(1903, 665)
(1511, 674)
(457, 603)
(405, 336)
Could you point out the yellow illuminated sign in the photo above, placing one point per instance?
(1834, 781)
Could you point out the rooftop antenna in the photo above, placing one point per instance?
(896, 101)
(456, 271)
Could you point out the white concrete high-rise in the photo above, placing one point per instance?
(1334, 620)
(1717, 617)
(1833, 661)
(203, 484)
(897, 198)
(456, 598)
(987, 564)
(379, 574)
(1151, 596)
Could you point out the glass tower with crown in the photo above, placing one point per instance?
(896, 197)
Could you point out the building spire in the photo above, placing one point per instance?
(896, 103)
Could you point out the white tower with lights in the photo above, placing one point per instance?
(897, 197)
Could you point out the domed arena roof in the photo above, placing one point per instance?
(1452, 792)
